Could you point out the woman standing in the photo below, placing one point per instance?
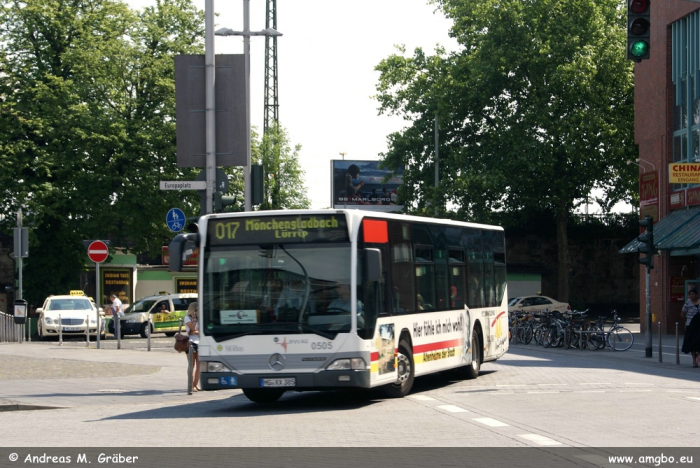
(192, 324)
(691, 339)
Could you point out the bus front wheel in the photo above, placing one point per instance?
(263, 395)
(406, 373)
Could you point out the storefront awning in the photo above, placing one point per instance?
(680, 230)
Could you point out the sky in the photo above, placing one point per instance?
(325, 68)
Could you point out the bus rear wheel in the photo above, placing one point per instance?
(471, 371)
(406, 373)
(263, 395)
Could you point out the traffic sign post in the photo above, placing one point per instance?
(175, 219)
(98, 253)
(20, 311)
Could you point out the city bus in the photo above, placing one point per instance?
(300, 300)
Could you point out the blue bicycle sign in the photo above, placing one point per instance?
(175, 220)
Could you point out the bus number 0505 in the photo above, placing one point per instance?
(321, 345)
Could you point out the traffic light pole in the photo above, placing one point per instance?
(647, 334)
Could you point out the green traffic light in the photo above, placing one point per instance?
(639, 48)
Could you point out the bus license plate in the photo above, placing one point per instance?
(71, 328)
(288, 382)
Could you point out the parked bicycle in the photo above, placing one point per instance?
(616, 337)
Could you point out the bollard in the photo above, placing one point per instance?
(87, 331)
(118, 330)
(29, 329)
(98, 328)
(148, 333)
(678, 355)
(60, 331)
(661, 358)
(189, 369)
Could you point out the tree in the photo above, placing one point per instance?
(283, 186)
(535, 112)
(87, 111)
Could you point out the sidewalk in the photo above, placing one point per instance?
(636, 355)
(46, 375)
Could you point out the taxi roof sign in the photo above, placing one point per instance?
(76, 292)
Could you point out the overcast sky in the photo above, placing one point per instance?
(326, 59)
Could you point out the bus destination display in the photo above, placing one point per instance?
(278, 229)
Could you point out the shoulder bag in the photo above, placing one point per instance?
(182, 342)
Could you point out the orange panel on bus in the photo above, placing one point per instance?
(376, 231)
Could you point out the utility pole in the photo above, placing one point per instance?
(271, 98)
(210, 99)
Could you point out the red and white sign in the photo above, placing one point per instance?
(98, 251)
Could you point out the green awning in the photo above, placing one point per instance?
(679, 230)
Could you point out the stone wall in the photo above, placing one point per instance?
(600, 278)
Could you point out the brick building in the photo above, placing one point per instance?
(667, 130)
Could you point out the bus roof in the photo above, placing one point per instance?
(353, 214)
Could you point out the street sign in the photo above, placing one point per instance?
(98, 251)
(175, 219)
(183, 184)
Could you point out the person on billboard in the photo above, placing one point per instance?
(353, 184)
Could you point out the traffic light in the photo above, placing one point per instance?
(638, 25)
(221, 201)
(647, 239)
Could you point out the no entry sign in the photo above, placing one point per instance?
(98, 251)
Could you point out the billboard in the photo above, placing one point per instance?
(363, 185)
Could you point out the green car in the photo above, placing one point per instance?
(166, 312)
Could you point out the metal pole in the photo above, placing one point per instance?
(647, 334)
(210, 112)
(246, 50)
(148, 332)
(29, 329)
(661, 358)
(189, 369)
(98, 301)
(678, 356)
(19, 260)
(87, 331)
(437, 165)
(60, 331)
(118, 329)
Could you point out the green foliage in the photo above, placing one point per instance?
(283, 186)
(535, 110)
(87, 108)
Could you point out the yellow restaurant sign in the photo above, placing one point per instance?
(684, 173)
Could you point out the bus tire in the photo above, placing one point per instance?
(406, 373)
(263, 395)
(169, 334)
(471, 371)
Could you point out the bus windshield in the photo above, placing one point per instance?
(278, 288)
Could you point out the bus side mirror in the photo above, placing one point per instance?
(373, 264)
(176, 249)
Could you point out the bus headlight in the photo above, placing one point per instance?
(214, 366)
(347, 364)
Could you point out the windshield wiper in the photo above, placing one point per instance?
(307, 328)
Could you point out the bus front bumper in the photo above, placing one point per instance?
(326, 380)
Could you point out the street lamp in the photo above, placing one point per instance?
(644, 160)
(343, 155)
(246, 33)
